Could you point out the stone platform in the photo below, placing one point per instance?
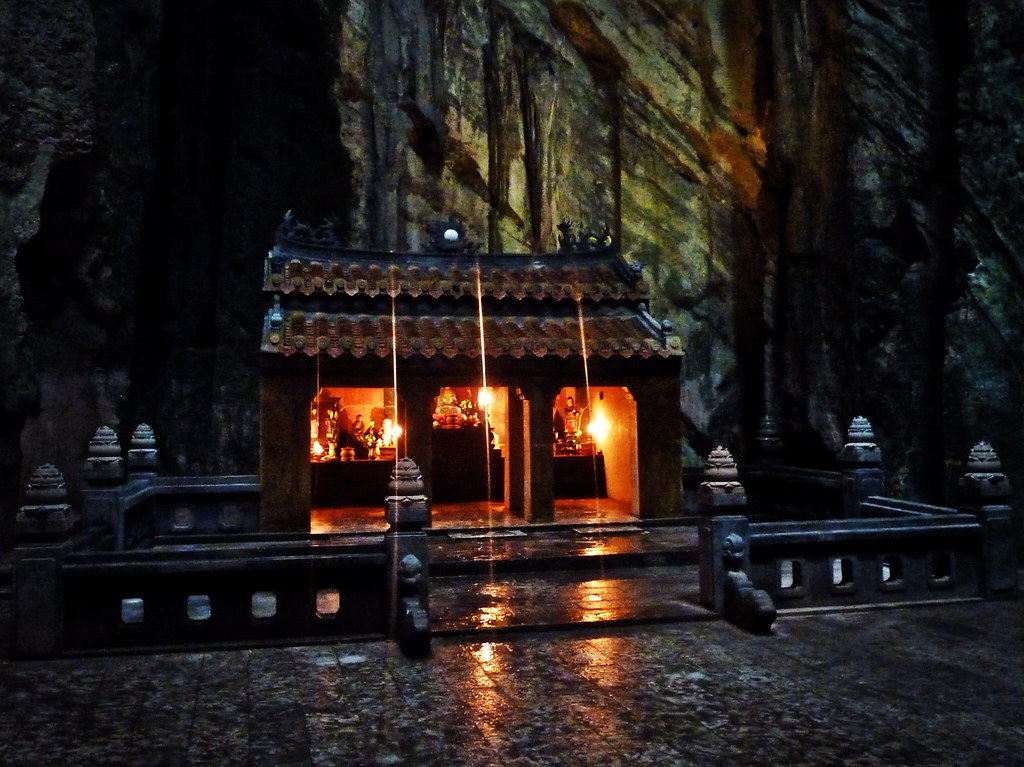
(560, 645)
(563, 575)
(915, 686)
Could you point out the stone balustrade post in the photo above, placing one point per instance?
(104, 464)
(721, 488)
(42, 529)
(725, 586)
(143, 458)
(103, 474)
(724, 548)
(406, 512)
(717, 542)
(985, 492)
(861, 461)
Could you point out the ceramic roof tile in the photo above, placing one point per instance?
(558, 276)
(610, 334)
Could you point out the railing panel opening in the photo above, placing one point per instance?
(133, 611)
(790, 578)
(197, 608)
(263, 605)
(843, 574)
(940, 570)
(890, 573)
(328, 603)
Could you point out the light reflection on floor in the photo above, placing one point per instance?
(601, 600)
(821, 689)
(511, 601)
(498, 612)
(575, 511)
(486, 703)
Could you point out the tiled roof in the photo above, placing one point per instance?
(553, 276)
(616, 333)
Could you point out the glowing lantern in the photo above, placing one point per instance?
(390, 432)
(598, 427)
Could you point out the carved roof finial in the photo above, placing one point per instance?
(449, 237)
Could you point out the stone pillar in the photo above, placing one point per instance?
(659, 447)
(761, 480)
(518, 453)
(540, 471)
(287, 386)
(769, 442)
(406, 512)
(985, 492)
(861, 462)
(42, 527)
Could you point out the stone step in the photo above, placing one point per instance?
(562, 548)
(503, 601)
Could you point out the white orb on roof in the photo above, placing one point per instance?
(450, 235)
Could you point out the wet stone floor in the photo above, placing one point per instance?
(915, 686)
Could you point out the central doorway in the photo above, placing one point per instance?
(469, 425)
(356, 434)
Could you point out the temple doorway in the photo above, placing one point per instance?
(470, 425)
(356, 434)
(595, 447)
(354, 438)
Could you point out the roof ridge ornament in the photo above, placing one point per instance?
(449, 237)
(325, 235)
(586, 241)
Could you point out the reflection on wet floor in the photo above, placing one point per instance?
(597, 564)
(561, 598)
(920, 686)
(575, 511)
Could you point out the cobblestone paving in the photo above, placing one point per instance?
(916, 686)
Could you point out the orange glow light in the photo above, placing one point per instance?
(598, 427)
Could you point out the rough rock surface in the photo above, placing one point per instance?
(828, 192)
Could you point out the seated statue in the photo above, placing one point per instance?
(447, 413)
(567, 427)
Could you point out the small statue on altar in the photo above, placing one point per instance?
(567, 427)
(447, 413)
(371, 437)
(355, 438)
(470, 414)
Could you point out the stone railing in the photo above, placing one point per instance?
(75, 590)
(264, 590)
(144, 509)
(133, 504)
(882, 551)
